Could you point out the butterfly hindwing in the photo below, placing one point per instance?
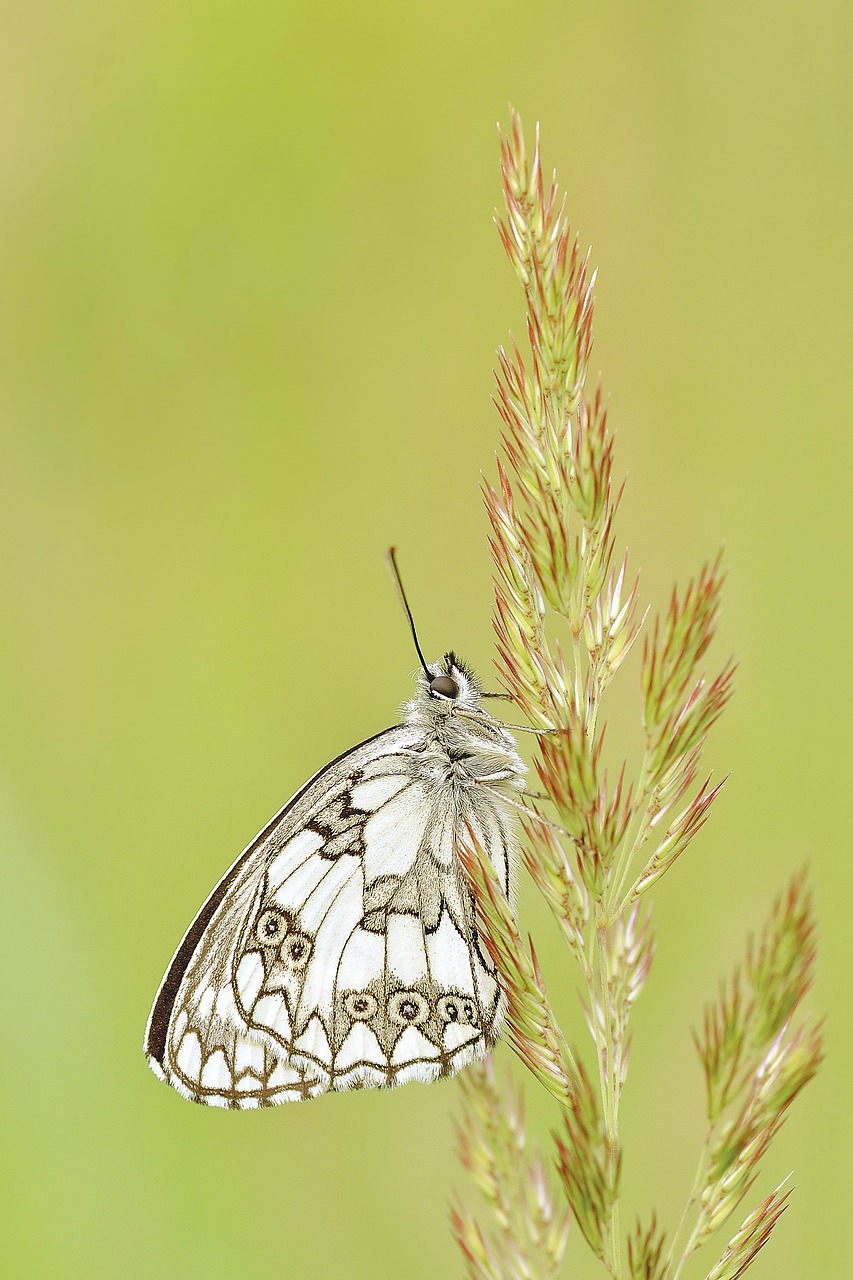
(198, 1037)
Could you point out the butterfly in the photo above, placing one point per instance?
(340, 951)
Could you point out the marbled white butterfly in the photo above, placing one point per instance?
(340, 950)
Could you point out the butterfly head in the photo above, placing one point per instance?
(448, 692)
(452, 684)
(448, 707)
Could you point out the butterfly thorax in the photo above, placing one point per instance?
(462, 744)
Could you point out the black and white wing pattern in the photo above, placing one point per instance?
(339, 951)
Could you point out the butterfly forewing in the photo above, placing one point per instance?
(340, 949)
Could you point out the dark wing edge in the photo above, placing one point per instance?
(156, 1030)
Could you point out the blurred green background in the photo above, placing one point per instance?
(250, 299)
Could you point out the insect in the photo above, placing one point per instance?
(340, 950)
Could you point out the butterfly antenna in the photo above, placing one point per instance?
(391, 557)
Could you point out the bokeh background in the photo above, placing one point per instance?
(251, 295)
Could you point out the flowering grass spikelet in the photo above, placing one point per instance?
(646, 1260)
(531, 1224)
(753, 1235)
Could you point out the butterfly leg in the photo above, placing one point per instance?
(501, 775)
(522, 808)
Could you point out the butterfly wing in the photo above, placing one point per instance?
(339, 951)
(198, 1038)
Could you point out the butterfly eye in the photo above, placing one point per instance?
(271, 927)
(444, 687)
(360, 1005)
(408, 1008)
